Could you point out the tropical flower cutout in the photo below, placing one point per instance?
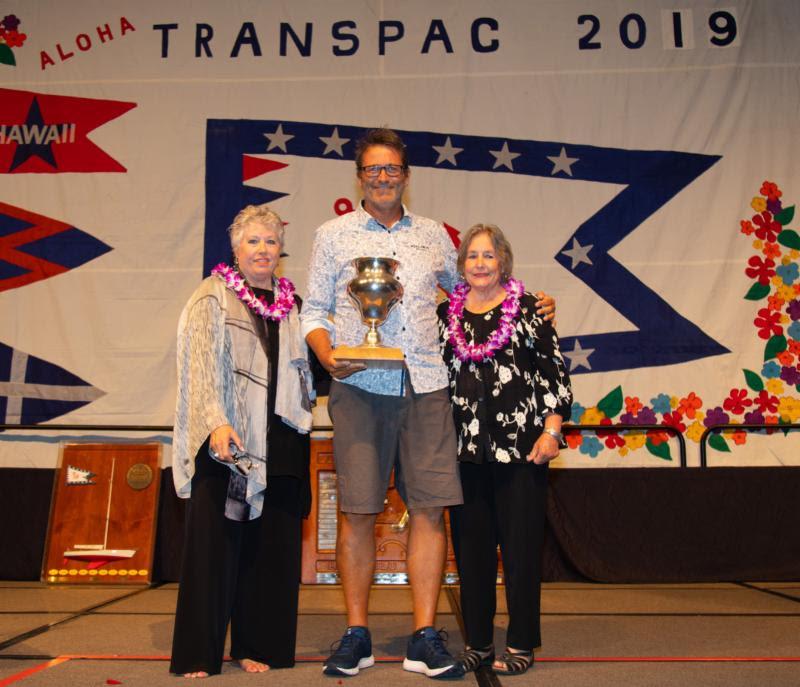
(10, 37)
(767, 395)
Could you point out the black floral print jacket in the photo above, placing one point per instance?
(499, 405)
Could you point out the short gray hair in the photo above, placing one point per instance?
(502, 248)
(255, 213)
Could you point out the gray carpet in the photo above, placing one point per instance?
(127, 641)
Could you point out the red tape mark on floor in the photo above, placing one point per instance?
(32, 671)
(665, 659)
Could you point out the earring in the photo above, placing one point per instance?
(235, 262)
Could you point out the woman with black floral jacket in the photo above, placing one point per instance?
(510, 392)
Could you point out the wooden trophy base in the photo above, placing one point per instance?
(379, 357)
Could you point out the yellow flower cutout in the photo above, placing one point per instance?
(775, 386)
(592, 416)
(759, 204)
(695, 431)
(635, 440)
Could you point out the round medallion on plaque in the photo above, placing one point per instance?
(139, 476)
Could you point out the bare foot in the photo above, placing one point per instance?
(248, 665)
(199, 673)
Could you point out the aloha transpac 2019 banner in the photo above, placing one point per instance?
(641, 157)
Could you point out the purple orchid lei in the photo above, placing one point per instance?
(284, 294)
(499, 338)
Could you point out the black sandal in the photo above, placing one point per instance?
(472, 659)
(517, 662)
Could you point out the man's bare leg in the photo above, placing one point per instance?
(355, 560)
(427, 549)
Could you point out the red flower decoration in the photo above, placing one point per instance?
(771, 250)
(611, 437)
(794, 346)
(689, 405)
(768, 323)
(633, 405)
(775, 302)
(768, 228)
(673, 419)
(573, 438)
(14, 39)
(785, 358)
(770, 190)
(771, 420)
(737, 401)
(747, 227)
(766, 402)
(656, 437)
(760, 269)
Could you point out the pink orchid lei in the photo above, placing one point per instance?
(284, 294)
(499, 338)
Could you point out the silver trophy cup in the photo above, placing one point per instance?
(374, 292)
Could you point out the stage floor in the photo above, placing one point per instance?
(678, 634)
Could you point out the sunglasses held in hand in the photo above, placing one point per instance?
(242, 461)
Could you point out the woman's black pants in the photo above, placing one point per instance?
(504, 505)
(245, 573)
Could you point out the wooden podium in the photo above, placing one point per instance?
(319, 529)
(103, 514)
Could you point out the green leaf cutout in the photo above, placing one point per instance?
(611, 403)
(660, 451)
(6, 55)
(785, 216)
(777, 344)
(757, 292)
(718, 442)
(753, 380)
(789, 238)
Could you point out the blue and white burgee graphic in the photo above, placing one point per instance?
(649, 180)
(33, 390)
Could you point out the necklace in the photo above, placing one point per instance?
(284, 294)
(499, 337)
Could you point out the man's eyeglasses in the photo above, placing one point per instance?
(375, 170)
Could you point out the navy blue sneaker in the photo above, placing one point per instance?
(427, 654)
(353, 653)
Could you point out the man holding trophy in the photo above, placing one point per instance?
(380, 265)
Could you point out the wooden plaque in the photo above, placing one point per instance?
(103, 514)
(319, 530)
